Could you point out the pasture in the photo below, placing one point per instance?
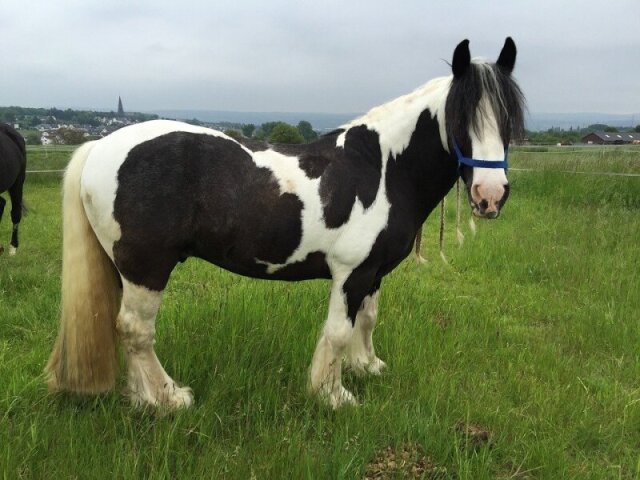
(519, 359)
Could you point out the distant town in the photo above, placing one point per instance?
(53, 126)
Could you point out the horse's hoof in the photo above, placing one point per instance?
(376, 367)
(12, 250)
(170, 397)
(180, 398)
(371, 367)
(341, 398)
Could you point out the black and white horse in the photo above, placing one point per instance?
(13, 166)
(346, 208)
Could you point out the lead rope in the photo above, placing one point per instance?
(459, 234)
(442, 208)
(419, 258)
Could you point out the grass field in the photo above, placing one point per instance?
(520, 359)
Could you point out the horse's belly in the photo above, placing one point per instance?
(312, 267)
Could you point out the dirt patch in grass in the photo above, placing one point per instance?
(473, 436)
(405, 461)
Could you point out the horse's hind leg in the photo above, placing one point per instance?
(148, 383)
(15, 193)
(361, 354)
(3, 202)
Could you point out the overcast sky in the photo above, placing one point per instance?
(333, 56)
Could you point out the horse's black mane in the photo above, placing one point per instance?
(463, 108)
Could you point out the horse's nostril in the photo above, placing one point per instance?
(483, 204)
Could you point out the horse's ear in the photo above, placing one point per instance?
(507, 58)
(461, 59)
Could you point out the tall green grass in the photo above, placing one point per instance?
(530, 333)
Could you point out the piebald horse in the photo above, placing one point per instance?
(346, 207)
(13, 166)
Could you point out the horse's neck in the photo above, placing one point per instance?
(424, 172)
(396, 121)
(412, 138)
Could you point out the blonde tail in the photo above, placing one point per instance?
(84, 358)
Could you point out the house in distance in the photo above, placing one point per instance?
(611, 138)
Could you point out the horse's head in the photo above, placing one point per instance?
(484, 111)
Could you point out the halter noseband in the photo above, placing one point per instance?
(472, 162)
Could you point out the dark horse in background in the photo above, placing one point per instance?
(346, 208)
(13, 166)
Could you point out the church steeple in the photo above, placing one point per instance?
(120, 109)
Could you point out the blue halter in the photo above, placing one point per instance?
(472, 162)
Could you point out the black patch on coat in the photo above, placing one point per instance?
(356, 174)
(184, 194)
(313, 165)
(313, 266)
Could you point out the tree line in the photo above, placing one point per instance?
(277, 132)
(271, 132)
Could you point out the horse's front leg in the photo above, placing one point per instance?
(347, 293)
(326, 366)
(361, 354)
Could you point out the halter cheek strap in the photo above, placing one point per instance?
(472, 162)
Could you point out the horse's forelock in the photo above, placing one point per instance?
(499, 92)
